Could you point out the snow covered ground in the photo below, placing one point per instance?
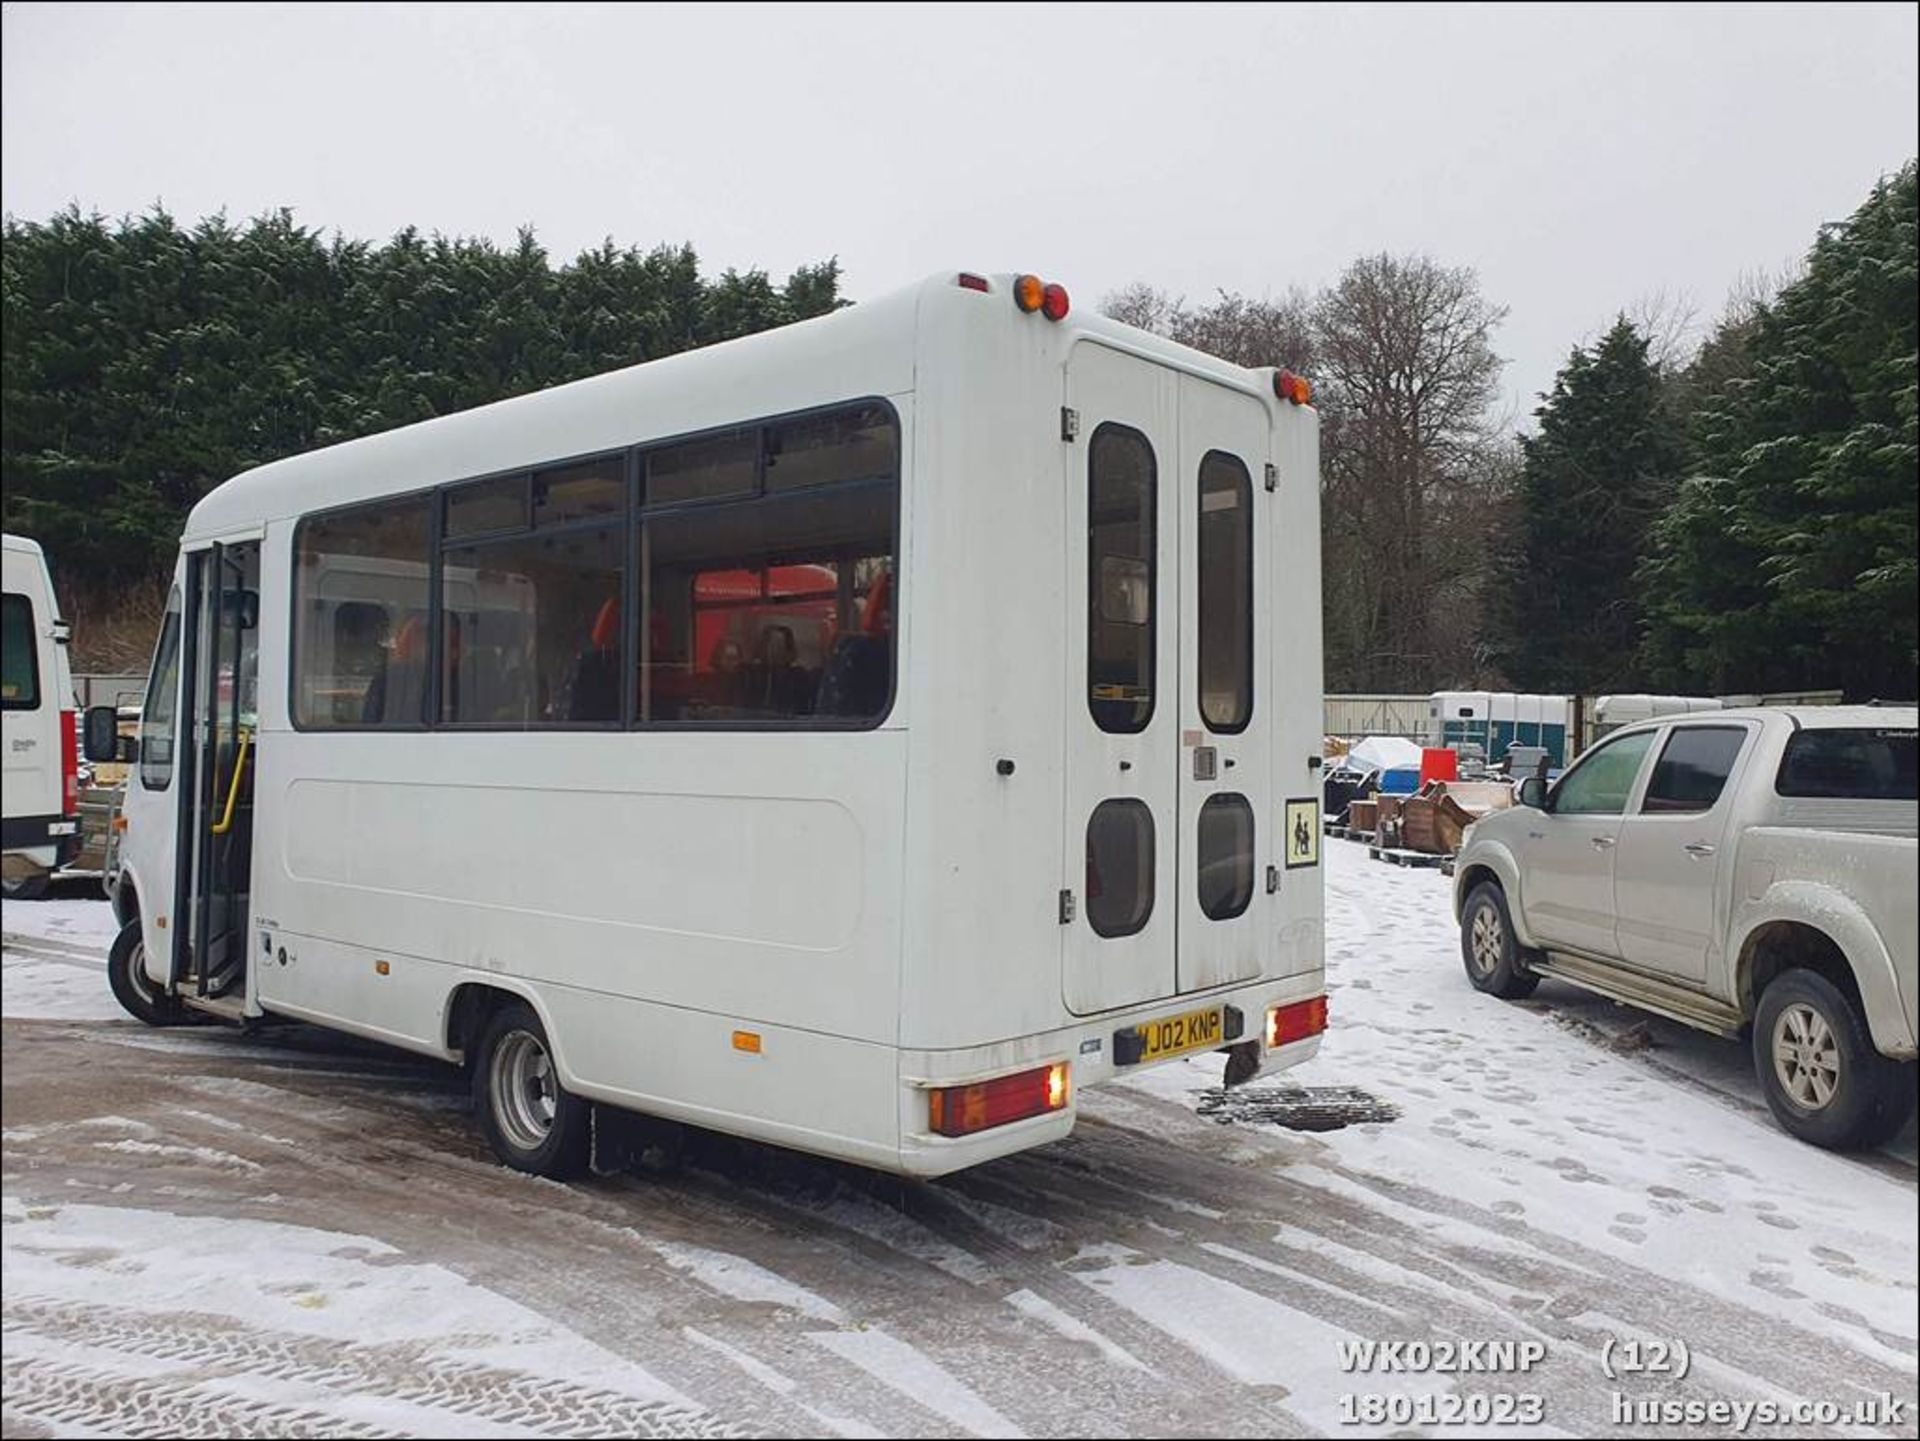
(291, 1233)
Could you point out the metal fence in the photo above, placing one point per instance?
(112, 690)
(1352, 717)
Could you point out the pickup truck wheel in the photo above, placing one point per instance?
(1488, 947)
(1816, 1061)
(535, 1123)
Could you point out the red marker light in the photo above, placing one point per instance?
(1296, 388)
(970, 281)
(1287, 1024)
(962, 1110)
(1054, 303)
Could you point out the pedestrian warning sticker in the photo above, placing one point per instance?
(1303, 833)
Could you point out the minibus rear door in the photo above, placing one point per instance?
(1226, 858)
(1120, 435)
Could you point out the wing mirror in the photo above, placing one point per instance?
(1533, 792)
(101, 740)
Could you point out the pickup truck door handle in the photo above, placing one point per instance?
(1603, 843)
(1698, 849)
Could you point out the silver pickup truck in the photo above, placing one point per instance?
(1741, 871)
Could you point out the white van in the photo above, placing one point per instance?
(42, 773)
(858, 736)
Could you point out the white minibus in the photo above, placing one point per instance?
(860, 736)
(42, 771)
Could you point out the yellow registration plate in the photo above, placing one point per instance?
(1176, 1035)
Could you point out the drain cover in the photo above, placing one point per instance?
(1298, 1108)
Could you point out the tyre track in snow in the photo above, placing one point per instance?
(367, 1142)
(1101, 1185)
(577, 1251)
(218, 1347)
(1547, 1282)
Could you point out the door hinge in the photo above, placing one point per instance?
(1069, 423)
(1066, 908)
(1273, 476)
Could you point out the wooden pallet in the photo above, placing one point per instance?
(1395, 856)
(1347, 833)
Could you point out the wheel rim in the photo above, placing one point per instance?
(1806, 1056)
(1485, 940)
(137, 971)
(526, 1096)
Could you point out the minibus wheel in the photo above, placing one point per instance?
(127, 975)
(533, 1122)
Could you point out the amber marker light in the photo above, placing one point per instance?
(1029, 293)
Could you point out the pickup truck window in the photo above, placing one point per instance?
(1693, 769)
(1867, 764)
(1602, 782)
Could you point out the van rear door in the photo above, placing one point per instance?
(1122, 668)
(1225, 753)
(1168, 751)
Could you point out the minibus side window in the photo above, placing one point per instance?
(163, 694)
(20, 682)
(1226, 593)
(361, 594)
(768, 574)
(1121, 490)
(531, 629)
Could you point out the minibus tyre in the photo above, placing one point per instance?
(127, 976)
(1488, 948)
(1863, 1098)
(532, 1122)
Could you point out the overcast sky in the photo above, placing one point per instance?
(1579, 159)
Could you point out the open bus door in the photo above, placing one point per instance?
(214, 837)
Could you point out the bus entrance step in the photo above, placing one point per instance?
(225, 1008)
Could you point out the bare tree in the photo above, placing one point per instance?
(1405, 363)
(1413, 460)
(1234, 327)
(1669, 321)
(1251, 332)
(1141, 305)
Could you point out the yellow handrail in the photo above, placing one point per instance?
(225, 823)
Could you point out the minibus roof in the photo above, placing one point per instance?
(782, 369)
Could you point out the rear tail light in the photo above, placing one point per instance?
(962, 1110)
(970, 281)
(69, 763)
(1287, 1024)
